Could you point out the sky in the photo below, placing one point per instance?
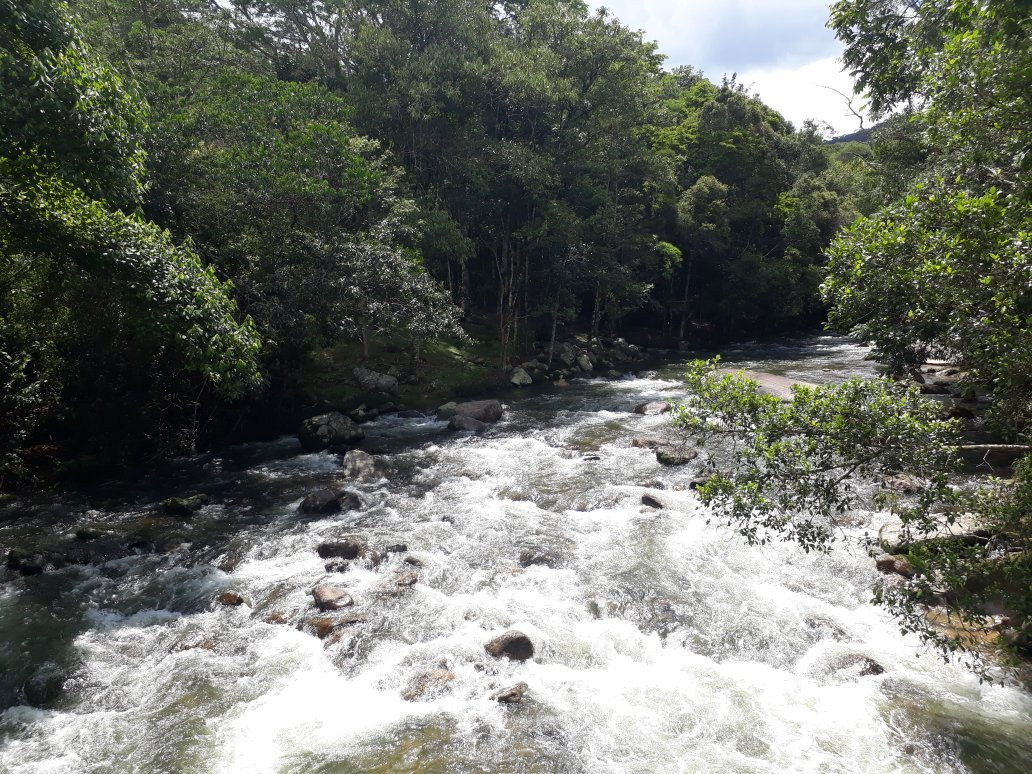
(780, 49)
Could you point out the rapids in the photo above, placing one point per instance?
(664, 643)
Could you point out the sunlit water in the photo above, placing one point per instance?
(664, 644)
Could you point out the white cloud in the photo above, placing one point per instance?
(780, 47)
(798, 93)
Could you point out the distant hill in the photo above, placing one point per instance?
(862, 135)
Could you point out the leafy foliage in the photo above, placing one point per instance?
(792, 467)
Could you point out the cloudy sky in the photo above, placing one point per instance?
(779, 48)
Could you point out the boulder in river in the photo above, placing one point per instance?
(480, 410)
(467, 424)
(331, 597)
(653, 407)
(584, 363)
(512, 695)
(346, 547)
(514, 645)
(330, 501)
(230, 599)
(427, 684)
(651, 500)
(894, 538)
(323, 626)
(520, 377)
(361, 465)
(675, 455)
(648, 442)
(407, 579)
(770, 384)
(372, 381)
(185, 506)
(327, 431)
(902, 482)
(898, 564)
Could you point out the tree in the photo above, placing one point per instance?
(96, 304)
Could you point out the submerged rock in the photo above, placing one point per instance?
(230, 599)
(331, 597)
(513, 644)
(427, 684)
(323, 626)
(648, 442)
(652, 408)
(185, 506)
(514, 694)
(462, 423)
(675, 455)
(330, 501)
(327, 431)
(25, 562)
(360, 464)
(407, 579)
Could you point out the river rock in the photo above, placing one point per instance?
(331, 597)
(898, 564)
(230, 599)
(185, 506)
(480, 410)
(651, 501)
(964, 528)
(770, 384)
(648, 442)
(513, 644)
(25, 562)
(407, 579)
(653, 407)
(675, 455)
(396, 548)
(538, 555)
(433, 682)
(521, 378)
(468, 424)
(360, 464)
(902, 482)
(512, 695)
(372, 381)
(347, 547)
(323, 626)
(584, 363)
(330, 501)
(327, 431)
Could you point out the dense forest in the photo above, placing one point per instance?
(197, 196)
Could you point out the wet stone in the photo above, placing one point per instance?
(324, 501)
(407, 579)
(513, 644)
(428, 684)
(675, 455)
(185, 506)
(331, 597)
(230, 599)
(514, 694)
(898, 564)
(347, 547)
(652, 408)
(396, 548)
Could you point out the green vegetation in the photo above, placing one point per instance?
(200, 198)
(941, 268)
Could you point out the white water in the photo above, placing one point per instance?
(663, 644)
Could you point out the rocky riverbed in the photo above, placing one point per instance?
(533, 593)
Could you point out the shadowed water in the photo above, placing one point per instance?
(663, 643)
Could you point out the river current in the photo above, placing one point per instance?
(663, 643)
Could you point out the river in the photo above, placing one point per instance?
(663, 643)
